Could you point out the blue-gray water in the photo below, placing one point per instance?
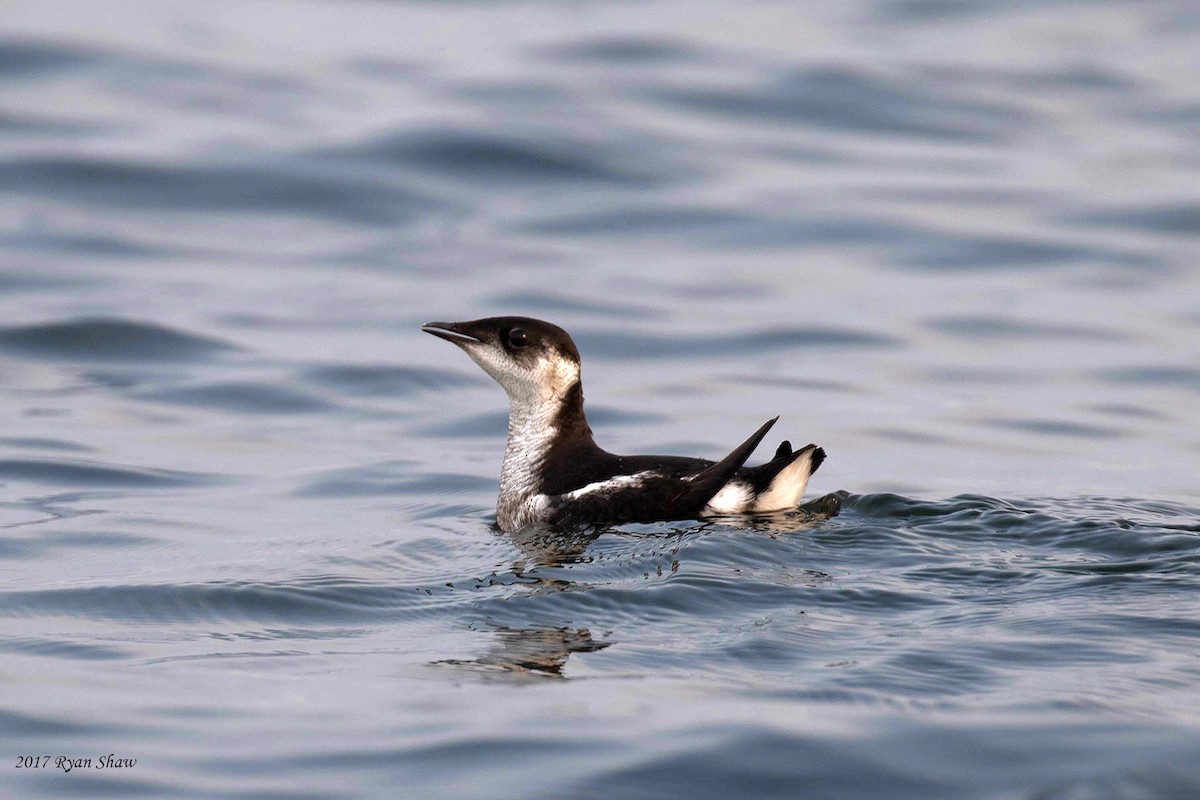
(247, 506)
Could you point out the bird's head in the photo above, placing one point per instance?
(534, 361)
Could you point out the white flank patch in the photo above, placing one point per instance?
(788, 486)
(733, 498)
(619, 482)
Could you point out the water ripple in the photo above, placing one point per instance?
(108, 339)
(46, 725)
(60, 543)
(718, 227)
(38, 443)
(611, 344)
(54, 648)
(278, 189)
(28, 58)
(83, 244)
(1170, 375)
(382, 380)
(946, 251)
(996, 327)
(62, 472)
(497, 159)
(626, 50)
(1182, 219)
(846, 99)
(168, 604)
(1055, 427)
(559, 303)
(240, 397)
(390, 479)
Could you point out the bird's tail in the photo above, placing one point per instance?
(787, 487)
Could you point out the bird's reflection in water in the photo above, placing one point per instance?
(544, 651)
(797, 519)
(532, 652)
(544, 546)
(519, 653)
(793, 520)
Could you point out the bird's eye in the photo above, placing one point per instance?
(517, 338)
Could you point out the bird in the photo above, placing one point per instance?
(555, 474)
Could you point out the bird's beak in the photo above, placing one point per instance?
(457, 332)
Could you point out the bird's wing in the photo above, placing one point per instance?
(650, 496)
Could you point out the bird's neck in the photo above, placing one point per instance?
(534, 429)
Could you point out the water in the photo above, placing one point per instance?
(247, 506)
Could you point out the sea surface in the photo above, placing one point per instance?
(247, 509)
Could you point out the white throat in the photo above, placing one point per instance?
(531, 431)
(536, 393)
